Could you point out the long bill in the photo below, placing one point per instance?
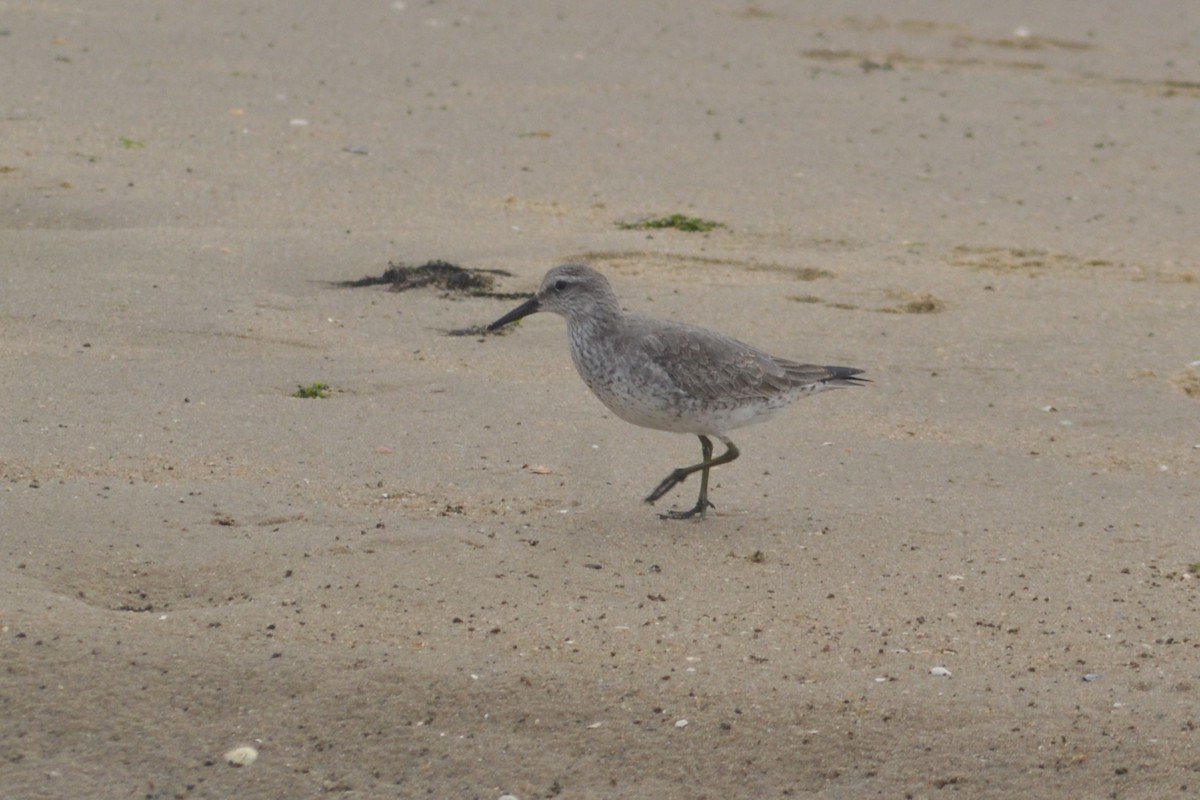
(524, 310)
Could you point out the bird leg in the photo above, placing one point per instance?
(706, 463)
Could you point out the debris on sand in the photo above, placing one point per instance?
(438, 274)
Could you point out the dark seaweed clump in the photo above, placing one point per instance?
(440, 275)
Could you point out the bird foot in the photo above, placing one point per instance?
(697, 510)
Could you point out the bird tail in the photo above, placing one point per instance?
(843, 376)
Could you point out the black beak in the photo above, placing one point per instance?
(530, 306)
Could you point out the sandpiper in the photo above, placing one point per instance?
(671, 376)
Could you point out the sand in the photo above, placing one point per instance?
(971, 579)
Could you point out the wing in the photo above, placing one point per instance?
(702, 364)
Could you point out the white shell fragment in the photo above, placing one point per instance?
(940, 672)
(241, 756)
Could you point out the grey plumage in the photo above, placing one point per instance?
(671, 376)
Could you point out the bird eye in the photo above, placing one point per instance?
(559, 285)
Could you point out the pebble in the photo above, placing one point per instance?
(940, 672)
(241, 756)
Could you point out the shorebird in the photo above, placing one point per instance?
(671, 376)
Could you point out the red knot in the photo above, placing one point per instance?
(671, 376)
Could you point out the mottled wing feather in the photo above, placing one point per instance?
(705, 364)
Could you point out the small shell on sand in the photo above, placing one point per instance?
(241, 756)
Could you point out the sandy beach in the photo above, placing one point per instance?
(974, 578)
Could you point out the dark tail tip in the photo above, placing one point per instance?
(844, 376)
